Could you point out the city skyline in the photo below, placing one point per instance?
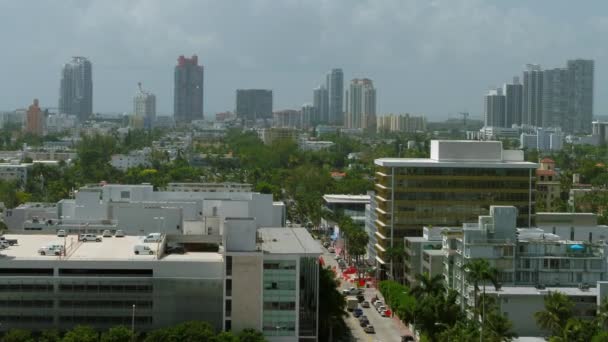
(434, 58)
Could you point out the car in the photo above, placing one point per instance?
(381, 308)
(119, 233)
(407, 338)
(357, 312)
(331, 250)
(52, 249)
(89, 237)
(345, 292)
(10, 242)
(369, 329)
(338, 258)
(360, 298)
(378, 303)
(385, 313)
(374, 299)
(61, 233)
(364, 323)
(106, 233)
(175, 250)
(142, 249)
(365, 304)
(363, 318)
(153, 237)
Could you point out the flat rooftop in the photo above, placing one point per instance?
(362, 199)
(427, 162)
(288, 241)
(109, 249)
(533, 291)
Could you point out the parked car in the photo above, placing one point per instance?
(9, 241)
(61, 233)
(119, 233)
(175, 250)
(381, 308)
(360, 298)
(369, 329)
(325, 244)
(153, 237)
(407, 338)
(89, 237)
(358, 312)
(363, 318)
(374, 299)
(346, 292)
(363, 323)
(142, 249)
(331, 250)
(106, 233)
(386, 313)
(377, 304)
(4, 245)
(53, 249)
(365, 304)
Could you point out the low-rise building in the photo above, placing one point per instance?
(314, 145)
(17, 172)
(208, 187)
(423, 255)
(270, 135)
(548, 186)
(123, 162)
(542, 139)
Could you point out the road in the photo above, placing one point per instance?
(387, 329)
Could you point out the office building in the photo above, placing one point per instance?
(555, 100)
(459, 182)
(494, 109)
(335, 93)
(600, 129)
(532, 101)
(361, 104)
(188, 90)
(144, 106)
(35, 120)
(308, 116)
(513, 102)
(321, 104)
(542, 139)
(580, 97)
(76, 89)
(253, 104)
(401, 123)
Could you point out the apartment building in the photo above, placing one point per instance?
(548, 186)
(458, 183)
(423, 254)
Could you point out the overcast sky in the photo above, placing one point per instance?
(430, 57)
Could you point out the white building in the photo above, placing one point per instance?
(208, 187)
(314, 145)
(144, 106)
(15, 172)
(543, 140)
(123, 162)
(57, 123)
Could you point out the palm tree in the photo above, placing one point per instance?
(427, 285)
(558, 309)
(480, 271)
(499, 327)
(602, 313)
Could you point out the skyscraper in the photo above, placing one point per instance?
(188, 90)
(34, 120)
(335, 88)
(144, 106)
(494, 113)
(555, 100)
(321, 104)
(532, 96)
(253, 104)
(513, 102)
(361, 104)
(580, 97)
(76, 89)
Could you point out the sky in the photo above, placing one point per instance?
(431, 57)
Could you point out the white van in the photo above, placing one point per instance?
(153, 237)
(142, 249)
(53, 249)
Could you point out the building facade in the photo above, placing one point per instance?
(513, 102)
(532, 101)
(288, 118)
(188, 90)
(548, 186)
(401, 123)
(580, 99)
(459, 182)
(361, 104)
(253, 104)
(494, 109)
(144, 106)
(76, 89)
(321, 103)
(555, 100)
(335, 93)
(35, 120)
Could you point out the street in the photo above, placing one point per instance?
(387, 329)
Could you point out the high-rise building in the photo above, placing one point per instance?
(532, 96)
(253, 104)
(555, 100)
(335, 88)
(459, 182)
(308, 116)
(144, 106)
(513, 102)
(580, 97)
(321, 104)
(401, 123)
(76, 89)
(494, 113)
(288, 118)
(188, 90)
(34, 120)
(361, 104)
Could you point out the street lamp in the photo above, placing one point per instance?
(133, 324)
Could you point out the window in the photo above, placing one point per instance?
(229, 266)
(228, 307)
(125, 194)
(228, 287)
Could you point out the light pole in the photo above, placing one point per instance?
(133, 324)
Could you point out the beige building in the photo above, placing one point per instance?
(34, 121)
(548, 188)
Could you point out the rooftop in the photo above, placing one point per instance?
(363, 199)
(532, 291)
(111, 249)
(288, 241)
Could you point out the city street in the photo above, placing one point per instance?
(387, 329)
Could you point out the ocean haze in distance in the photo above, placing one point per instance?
(425, 57)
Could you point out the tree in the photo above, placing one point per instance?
(49, 336)
(117, 334)
(251, 335)
(225, 336)
(480, 271)
(81, 333)
(331, 306)
(499, 328)
(18, 335)
(427, 285)
(558, 310)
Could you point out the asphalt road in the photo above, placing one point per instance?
(387, 329)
